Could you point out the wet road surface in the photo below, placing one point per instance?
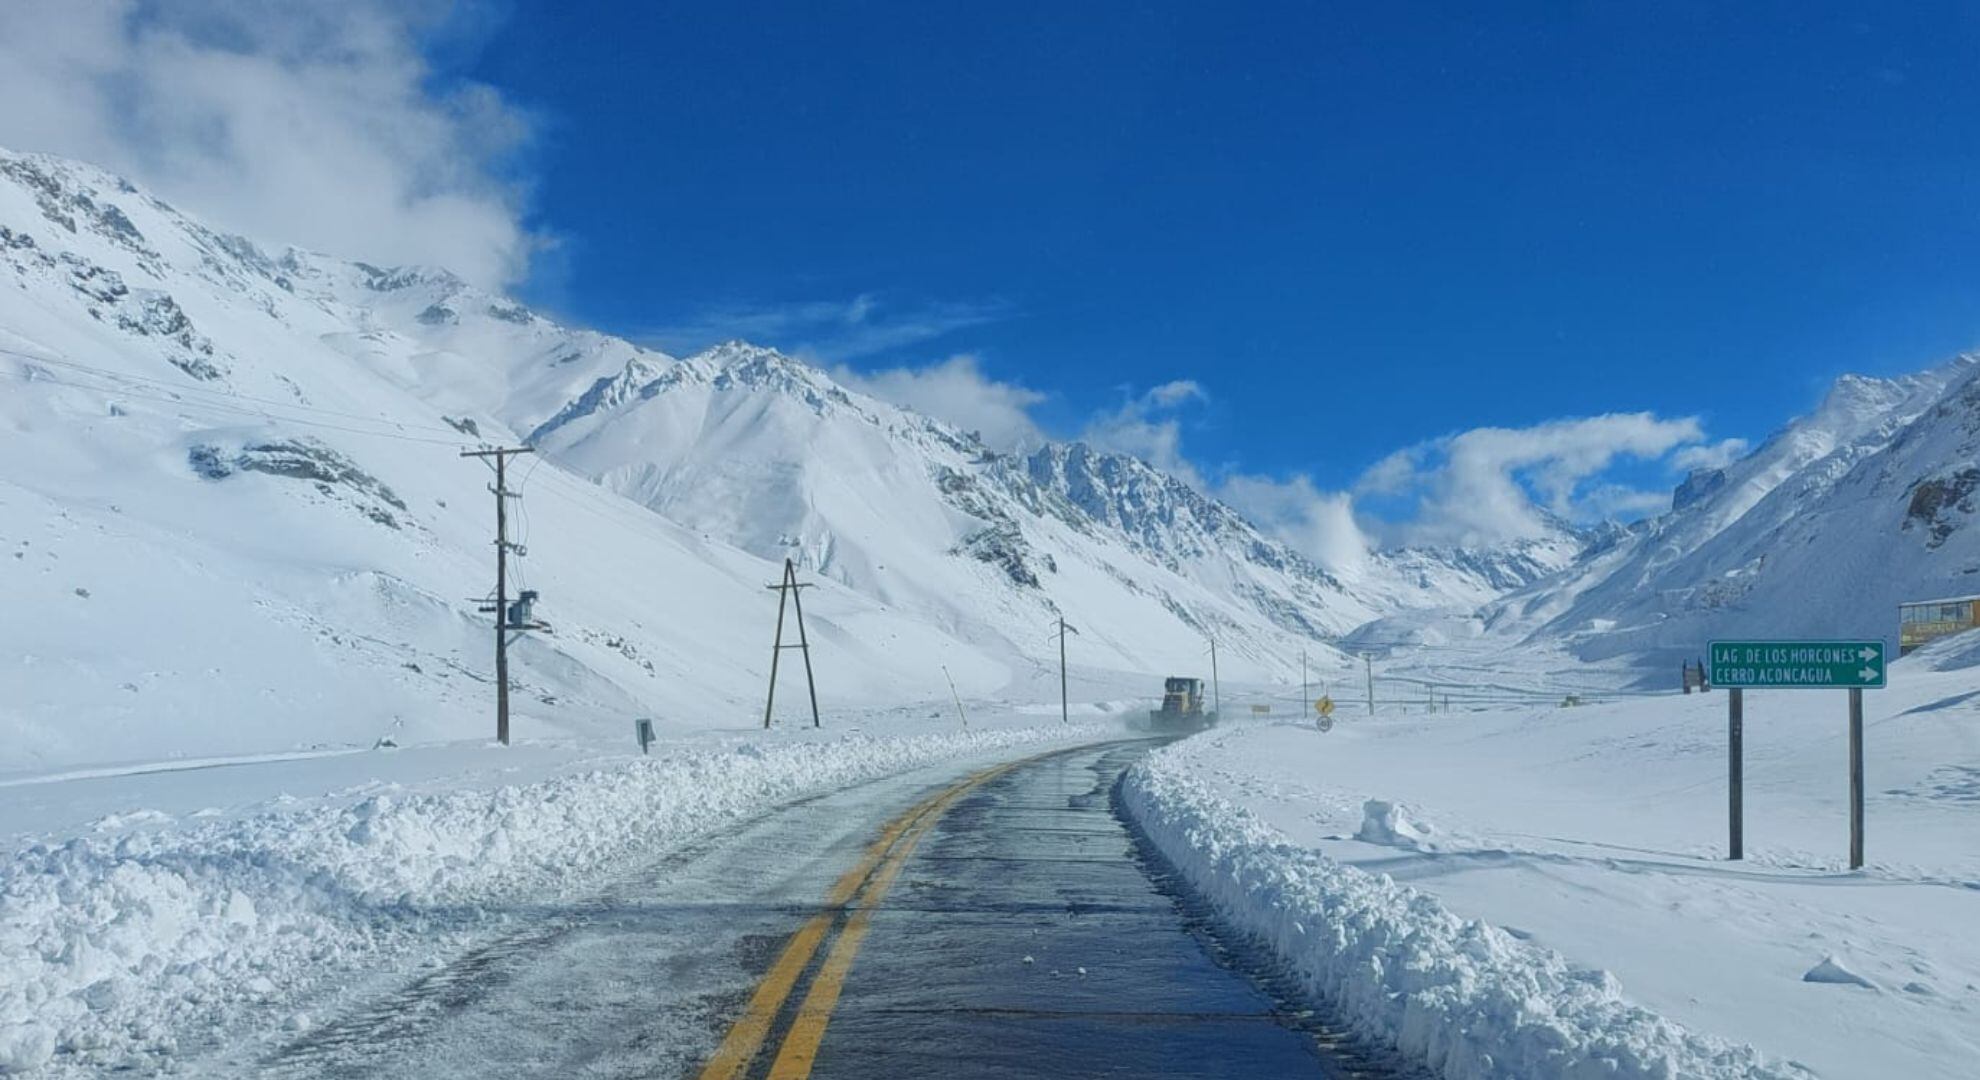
(1001, 924)
(1027, 936)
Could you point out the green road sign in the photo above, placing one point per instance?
(1798, 665)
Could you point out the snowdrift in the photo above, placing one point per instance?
(1465, 998)
(110, 950)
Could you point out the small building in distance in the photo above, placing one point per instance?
(1924, 621)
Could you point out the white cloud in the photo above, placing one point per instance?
(1318, 524)
(1491, 485)
(1716, 455)
(293, 122)
(1481, 487)
(958, 392)
(1176, 392)
(1622, 502)
(827, 330)
(1391, 475)
(1146, 426)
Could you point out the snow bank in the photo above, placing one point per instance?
(1464, 997)
(1953, 653)
(1834, 972)
(1392, 825)
(113, 948)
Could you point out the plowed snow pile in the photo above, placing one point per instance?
(1462, 995)
(112, 950)
(1544, 892)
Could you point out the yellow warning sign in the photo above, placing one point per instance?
(1325, 706)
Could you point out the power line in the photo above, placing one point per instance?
(522, 515)
(624, 513)
(178, 389)
(239, 410)
(598, 501)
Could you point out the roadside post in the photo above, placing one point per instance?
(1736, 781)
(643, 731)
(1855, 777)
(1737, 666)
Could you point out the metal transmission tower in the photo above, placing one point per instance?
(788, 592)
(508, 618)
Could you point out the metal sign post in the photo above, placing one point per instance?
(1855, 666)
(1855, 778)
(1736, 772)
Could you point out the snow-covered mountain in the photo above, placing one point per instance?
(765, 452)
(263, 444)
(770, 454)
(234, 518)
(1821, 531)
(1442, 577)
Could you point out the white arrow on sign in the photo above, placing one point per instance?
(1866, 674)
(1866, 654)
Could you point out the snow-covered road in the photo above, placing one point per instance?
(630, 981)
(1488, 895)
(162, 914)
(1022, 932)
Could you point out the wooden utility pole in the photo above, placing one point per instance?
(1065, 705)
(952, 693)
(789, 591)
(1368, 665)
(503, 627)
(1216, 686)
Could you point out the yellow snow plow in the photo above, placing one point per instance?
(1182, 707)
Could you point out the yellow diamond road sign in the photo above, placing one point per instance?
(1325, 706)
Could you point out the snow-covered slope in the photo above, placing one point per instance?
(1592, 840)
(263, 445)
(768, 453)
(231, 525)
(235, 518)
(1821, 531)
(763, 451)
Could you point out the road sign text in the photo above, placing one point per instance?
(1797, 664)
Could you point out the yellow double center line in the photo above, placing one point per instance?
(869, 880)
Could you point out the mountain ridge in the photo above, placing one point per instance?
(265, 433)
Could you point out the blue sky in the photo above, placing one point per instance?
(1284, 247)
(1356, 227)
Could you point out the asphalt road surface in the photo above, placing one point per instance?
(1001, 923)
